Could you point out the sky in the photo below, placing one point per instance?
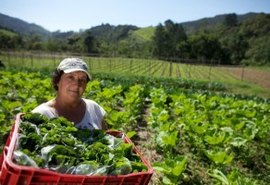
(74, 15)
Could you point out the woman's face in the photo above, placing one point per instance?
(72, 85)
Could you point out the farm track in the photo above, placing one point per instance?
(144, 145)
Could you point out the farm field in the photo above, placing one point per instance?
(192, 132)
(241, 80)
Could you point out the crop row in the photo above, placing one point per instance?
(198, 137)
(221, 140)
(148, 67)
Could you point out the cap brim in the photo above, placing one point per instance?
(74, 70)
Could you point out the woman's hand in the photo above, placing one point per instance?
(104, 125)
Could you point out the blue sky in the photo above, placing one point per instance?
(67, 15)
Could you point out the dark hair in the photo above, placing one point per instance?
(56, 76)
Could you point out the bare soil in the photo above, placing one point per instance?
(143, 143)
(256, 76)
(148, 153)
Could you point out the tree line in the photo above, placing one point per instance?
(229, 42)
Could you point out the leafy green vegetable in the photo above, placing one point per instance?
(35, 118)
(58, 145)
(122, 166)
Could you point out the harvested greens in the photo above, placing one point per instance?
(56, 144)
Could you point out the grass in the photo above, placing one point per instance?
(145, 33)
(8, 33)
(248, 89)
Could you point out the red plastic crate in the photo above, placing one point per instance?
(12, 173)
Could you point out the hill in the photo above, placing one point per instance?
(245, 40)
(212, 22)
(112, 33)
(22, 27)
(191, 27)
(145, 34)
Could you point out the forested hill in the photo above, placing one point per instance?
(112, 33)
(107, 31)
(21, 27)
(226, 39)
(211, 22)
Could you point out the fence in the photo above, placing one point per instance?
(181, 68)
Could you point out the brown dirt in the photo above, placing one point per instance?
(256, 76)
(147, 152)
(143, 142)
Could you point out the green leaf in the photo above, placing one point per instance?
(201, 128)
(267, 157)
(214, 140)
(219, 157)
(238, 141)
(160, 168)
(166, 180)
(130, 134)
(180, 166)
(220, 176)
(165, 139)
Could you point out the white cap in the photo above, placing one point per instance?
(69, 65)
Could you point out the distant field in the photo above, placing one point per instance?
(239, 79)
(144, 33)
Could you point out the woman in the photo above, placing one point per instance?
(70, 80)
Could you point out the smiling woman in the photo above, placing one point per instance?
(69, 80)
